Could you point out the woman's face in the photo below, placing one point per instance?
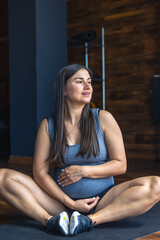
(78, 88)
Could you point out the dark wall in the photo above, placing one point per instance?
(4, 82)
(22, 51)
(37, 36)
(132, 54)
(51, 51)
(4, 55)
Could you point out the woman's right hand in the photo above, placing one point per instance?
(85, 205)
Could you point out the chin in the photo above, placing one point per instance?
(86, 102)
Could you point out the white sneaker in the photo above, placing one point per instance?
(79, 223)
(59, 224)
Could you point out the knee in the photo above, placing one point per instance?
(2, 175)
(154, 187)
(5, 174)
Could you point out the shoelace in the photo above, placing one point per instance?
(92, 226)
(86, 223)
(50, 223)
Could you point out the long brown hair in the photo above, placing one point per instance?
(89, 141)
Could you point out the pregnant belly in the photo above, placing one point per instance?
(86, 187)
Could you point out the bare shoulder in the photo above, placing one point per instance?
(107, 121)
(43, 127)
(105, 115)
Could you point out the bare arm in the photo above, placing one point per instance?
(41, 166)
(115, 147)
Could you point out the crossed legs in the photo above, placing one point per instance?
(23, 193)
(128, 199)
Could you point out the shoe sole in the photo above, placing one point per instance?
(73, 223)
(64, 223)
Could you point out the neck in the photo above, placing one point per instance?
(74, 113)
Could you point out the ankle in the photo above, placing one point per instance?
(92, 217)
(45, 220)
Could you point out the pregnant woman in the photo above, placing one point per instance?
(78, 151)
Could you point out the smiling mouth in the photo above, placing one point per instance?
(86, 94)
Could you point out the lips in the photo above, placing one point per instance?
(86, 93)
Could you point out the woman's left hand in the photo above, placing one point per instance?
(70, 175)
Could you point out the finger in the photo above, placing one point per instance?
(62, 178)
(65, 182)
(95, 200)
(90, 200)
(92, 205)
(62, 173)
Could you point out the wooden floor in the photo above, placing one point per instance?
(155, 236)
(9, 214)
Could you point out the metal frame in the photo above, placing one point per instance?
(103, 66)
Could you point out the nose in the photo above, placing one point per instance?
(87, 85)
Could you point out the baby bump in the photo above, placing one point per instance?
(86, 187)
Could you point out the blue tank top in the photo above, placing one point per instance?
(86, 187)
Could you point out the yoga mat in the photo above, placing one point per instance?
(128, 229)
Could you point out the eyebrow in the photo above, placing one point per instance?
(81, 78)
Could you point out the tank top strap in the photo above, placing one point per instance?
(95, 112)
